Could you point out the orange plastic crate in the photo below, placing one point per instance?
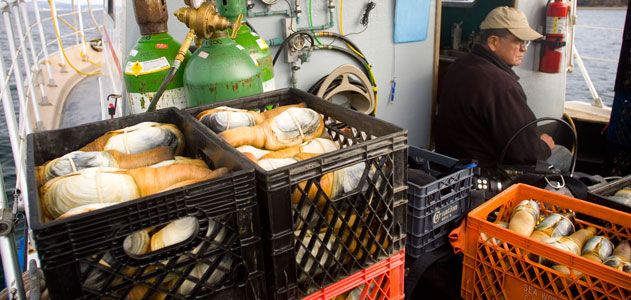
(383, 280)
(503, 270)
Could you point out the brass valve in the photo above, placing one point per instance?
(204, 20)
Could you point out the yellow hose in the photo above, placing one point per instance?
(83, 55)
(63, 52)
(372, 75)
(341, 25)
(571, 122)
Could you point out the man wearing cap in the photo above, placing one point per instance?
(482, 104)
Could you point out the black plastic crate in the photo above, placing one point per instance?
(83, 258)
(379, 201)
(601, 195)
(433, 209)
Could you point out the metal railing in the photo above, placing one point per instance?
(28, 73)
(575, 57)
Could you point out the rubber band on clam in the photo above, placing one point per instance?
(75, 161)
(296, 123)
(92, 185)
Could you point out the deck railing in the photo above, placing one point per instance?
(27, 73)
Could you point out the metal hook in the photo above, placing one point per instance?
(558, 185)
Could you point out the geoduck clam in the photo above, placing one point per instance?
(225, 118)
(139, 138)
(110, 185)
(597, 248)
(524, 217)
(252, 153)
(88, 186)
(173, 233)
(319, 256)
(620, 259)
(622, 196)
(573, 243)
(216, 277)
(79, 160)
(316, 146)
(292, 127)
(554, 225)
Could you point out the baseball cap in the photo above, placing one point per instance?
(515, 21)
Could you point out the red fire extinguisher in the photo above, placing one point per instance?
(556, 30)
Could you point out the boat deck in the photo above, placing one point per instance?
(53, 106)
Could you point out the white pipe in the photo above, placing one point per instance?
(35, 67)
(38, 18)
(16, 72)
(11, 268)
(12, 273)
(9, 112)
(85, 53)
(572, 31)
(101, 100)
(29, 38)
(598, 102)
(62, 58)
(27, 70)
(77, 34)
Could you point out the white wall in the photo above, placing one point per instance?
(546, 92)
(410, 64)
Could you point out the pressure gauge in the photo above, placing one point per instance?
(269, 2)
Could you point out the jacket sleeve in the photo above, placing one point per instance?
(507, 115)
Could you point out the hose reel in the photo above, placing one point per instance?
(348, 86)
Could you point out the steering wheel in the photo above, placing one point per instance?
(575, 148)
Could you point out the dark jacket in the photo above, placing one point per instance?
(481, 105)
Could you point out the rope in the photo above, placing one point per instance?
(125, 141)
(302, 135)
(72, 165)
(229, 119)
(99, 192)
(63, 51)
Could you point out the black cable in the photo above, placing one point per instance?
(251, 27)
(574, 155)
(370, 6)
(361, 60)
(286, 40)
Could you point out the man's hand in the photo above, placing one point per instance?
(548, 139)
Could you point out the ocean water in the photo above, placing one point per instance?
(600, 49)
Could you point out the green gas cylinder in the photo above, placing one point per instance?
(220, 70)
(150, 59)
(250, 40)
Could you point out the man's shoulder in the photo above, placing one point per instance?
(476, 69)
